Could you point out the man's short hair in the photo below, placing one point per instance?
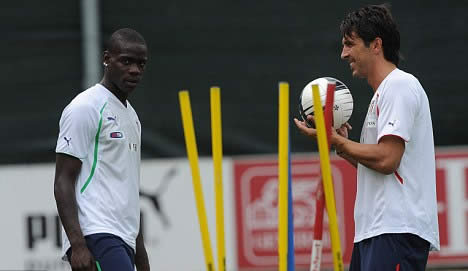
(371, 22)
(123, 35)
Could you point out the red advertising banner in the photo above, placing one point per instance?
(452, 203)
(256, 184)
(256, 191)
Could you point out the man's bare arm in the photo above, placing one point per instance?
(141, 256)
(67, 169)
(384, 157)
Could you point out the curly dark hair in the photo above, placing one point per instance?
(371, 22)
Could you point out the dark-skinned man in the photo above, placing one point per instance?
(97, 173)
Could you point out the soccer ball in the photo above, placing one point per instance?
(342, 106)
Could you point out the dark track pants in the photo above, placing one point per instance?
(110, 252)
(390, 252)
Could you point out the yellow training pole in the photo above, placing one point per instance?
(192, 154)
(283, 144)
(327, 179)
(217, 149)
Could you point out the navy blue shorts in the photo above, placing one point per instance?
(110, 252)
(390, 252)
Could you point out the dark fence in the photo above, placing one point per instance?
(245, 47)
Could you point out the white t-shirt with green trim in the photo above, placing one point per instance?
(405, 201)
(106, 136)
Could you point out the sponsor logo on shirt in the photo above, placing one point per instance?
(116, 135)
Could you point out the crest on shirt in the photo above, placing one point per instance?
(371, 119)
(372, 107)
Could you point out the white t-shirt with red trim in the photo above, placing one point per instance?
(105, 135)
(405, 201)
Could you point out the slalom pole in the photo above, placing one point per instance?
(217, 146)
(317, 244)
(283, 141)
(291, 254)
(192, 153)
(327, 180)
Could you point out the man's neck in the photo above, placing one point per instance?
(122, 98)
(381, 69)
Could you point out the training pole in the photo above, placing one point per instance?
(317, 243)
(327, 180)
(283, 142)
(291, 252)
(192, 153)
(217, 150)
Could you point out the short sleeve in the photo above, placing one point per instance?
(398, 108)
(78, 126)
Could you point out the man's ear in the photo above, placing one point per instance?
(106, 58)
(376, 45)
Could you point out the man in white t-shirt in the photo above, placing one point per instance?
(97, 174)
(395, 211)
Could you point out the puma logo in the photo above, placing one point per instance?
(68, 140)
(113, 119)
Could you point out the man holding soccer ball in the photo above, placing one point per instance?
(396, 209)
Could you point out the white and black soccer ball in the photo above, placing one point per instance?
(342, 106)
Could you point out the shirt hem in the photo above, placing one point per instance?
(69, 153)
(434, 244)
(390, 134)
(66, 246)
